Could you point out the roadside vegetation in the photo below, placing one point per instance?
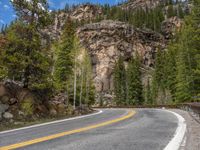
(175, 77)
(39, 78)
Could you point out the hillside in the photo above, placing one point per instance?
(63, 62)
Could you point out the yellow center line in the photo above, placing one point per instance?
(54, 136)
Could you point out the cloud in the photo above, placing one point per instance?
(2, 22)
(14, 16)
(6, 6)
(51, 4)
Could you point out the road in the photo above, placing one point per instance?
(113, 129)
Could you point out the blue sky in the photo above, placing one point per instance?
(7, 13)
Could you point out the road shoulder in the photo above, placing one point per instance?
(193, 131)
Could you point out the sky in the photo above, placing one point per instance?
(7, 14)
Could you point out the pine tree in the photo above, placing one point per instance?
(64, 62)
(134, 82)
(120, 85)
(180, 12)
(3, 71)
(187, 66)
(159, 78)
(148, 94)
(171, 69)
(24, 56)
(170, 11)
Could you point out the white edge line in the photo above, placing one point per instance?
(179, 135)
(53, 122)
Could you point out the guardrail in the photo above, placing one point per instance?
(193, 109)
(139, 106)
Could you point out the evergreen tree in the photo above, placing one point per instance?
(24, 56)
(120, 85)
(171, 69)
(134, 82)
(180, 12)
(159, 79)
(64, 62)
(3, 71)
(187, 66)
(170, 11)
(148, 94)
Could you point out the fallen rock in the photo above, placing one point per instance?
(7, 115)
(2, 90)
(4, 99)
(3, 108)
(52, 112)
(13, 101)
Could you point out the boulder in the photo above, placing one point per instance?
(12, 101)
(5, 99)
(3, 90)
(52, 112)
(7, 115)
(3, 108)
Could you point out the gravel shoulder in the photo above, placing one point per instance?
(193, 131)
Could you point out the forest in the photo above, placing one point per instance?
(64, 66)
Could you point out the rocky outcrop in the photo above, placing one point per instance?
(18, 103)
(170, 27)
(107, 40)
(85, 12)
(135, 4)
(81, 13)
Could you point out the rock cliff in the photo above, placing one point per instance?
(107, 40)
(134, 4)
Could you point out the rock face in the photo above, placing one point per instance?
(80, 13)
(107, 40)
(170, 26)
(18, 103)
(134, 4)
(85, 12)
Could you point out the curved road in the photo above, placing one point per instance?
(113, 129)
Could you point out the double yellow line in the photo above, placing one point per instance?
(54, 136)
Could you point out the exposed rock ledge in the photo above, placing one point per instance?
(107, 40)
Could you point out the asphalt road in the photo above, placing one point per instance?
(148, 129)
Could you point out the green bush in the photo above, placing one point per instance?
(27, 106)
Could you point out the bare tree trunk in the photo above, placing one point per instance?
(80, 100)
(75, 78)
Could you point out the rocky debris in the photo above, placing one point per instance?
(107, 40)
(17, 102)
(60, 98)
(57, 109)
(7, 115)
(135, 4)
(3, 108)
(58, 105)
(170, 26)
